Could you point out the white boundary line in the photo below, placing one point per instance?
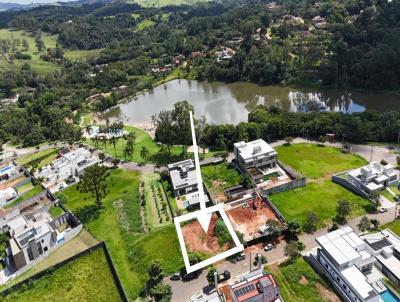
(194, 215)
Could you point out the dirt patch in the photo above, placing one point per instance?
(327, 294)
(198, 241)
(248, 220)
(216, 183)
(303, 280)
(11, 183)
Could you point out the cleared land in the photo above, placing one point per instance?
(315, 161)
(87, 278)
(119, 223)
(43, 157)
(219, 177)
(298, 282)
(320, 195)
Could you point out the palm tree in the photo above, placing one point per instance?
(144, 153)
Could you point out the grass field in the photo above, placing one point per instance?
(45, 156)
(29, 194)
(142, 140)
(155, 198)
(145, 23)
(388, 195)
(394, 226)
(219, 177)
(119, 224)
(298, 282)
(316, 162)
(88, 278)
(320, 195)
(82, 54)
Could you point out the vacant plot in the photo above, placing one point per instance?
(87, 278)
(43, 157)
(142, 140)
(156, 206)
(298, 282)
(82, 55)
(315, 161)
(29, 194)
(394, 226)
(389, 195)
(219, 177)
(249, 219)
(320, 198)
(119, 223)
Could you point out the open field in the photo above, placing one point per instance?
(320, 198)
(44, 156)
(388, 195)
(87, 278)
(29, 194)
(82, 54)
(219, 177)
(76, 245)
(394, 226)
(156, 206)
(298, 282)
(119, 224)
(145, 23)
(316, 162)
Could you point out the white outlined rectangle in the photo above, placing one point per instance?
(194, 215)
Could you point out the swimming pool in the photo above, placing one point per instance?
(388, 296)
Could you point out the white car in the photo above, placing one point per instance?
(383, 210)
(268, 247)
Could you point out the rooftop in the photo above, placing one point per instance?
(254, 148)
(182, 174)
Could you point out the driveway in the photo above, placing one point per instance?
(182, 291)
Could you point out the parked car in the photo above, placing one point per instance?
(240, 257)
(268, 247)
(383, 210)
(226, 275)
(175, 277)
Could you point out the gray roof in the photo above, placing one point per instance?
(183, 174)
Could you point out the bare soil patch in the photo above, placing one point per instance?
(303, 280)
(11, 183)
(327, 293)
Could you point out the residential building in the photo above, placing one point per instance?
(8, 171)
(7, 195)
(70, 164)
(30, 238)
(373, 177)
(255, 286)
(256, 154)
(385, 246)
(348, 263)
(183, 177)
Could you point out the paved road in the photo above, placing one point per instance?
(182, 291)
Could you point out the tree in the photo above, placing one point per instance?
(310, 225)
(129, 146)
(210, 275)
(144, 153)
(364, 224)
(288, 140)
(293, 229)
(343, 210)
(375, 223)
(293, 249)
(165, 128)
(161, 292)
(39, 42)
(155, 272)
(25, 45)
(94, 182)
(274, 228)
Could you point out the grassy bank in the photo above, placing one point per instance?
(88, 278)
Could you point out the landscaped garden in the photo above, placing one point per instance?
(320, 195)
(218, 177)
(316, 161)
(87, 278)
(298, 282)
(119, 223)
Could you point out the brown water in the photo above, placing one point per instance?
(230, 103)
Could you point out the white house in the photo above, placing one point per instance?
(255, 154)
(373, 177)
(7, 195)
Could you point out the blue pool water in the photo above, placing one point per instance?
(388, 296)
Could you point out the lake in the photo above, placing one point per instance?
(223, 103)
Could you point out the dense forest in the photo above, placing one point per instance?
(349, 43)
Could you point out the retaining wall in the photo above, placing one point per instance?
(297, 183)
(348, 185)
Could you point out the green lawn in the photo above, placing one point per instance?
(55, 211)
(119, 224)
(298, 282)
(389, 195)
(156, 205)
(45, 156)
(82, 54)
(144, 24)
(29, 194)
(219, 177)
(318, 197)
(394, 226)
(315, 161)
(88, 278)
(142, 140)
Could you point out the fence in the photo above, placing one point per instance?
(50, 270)
(278, 214)
(336, 178)
(24, 181)
(30, 201)
(297, 183)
